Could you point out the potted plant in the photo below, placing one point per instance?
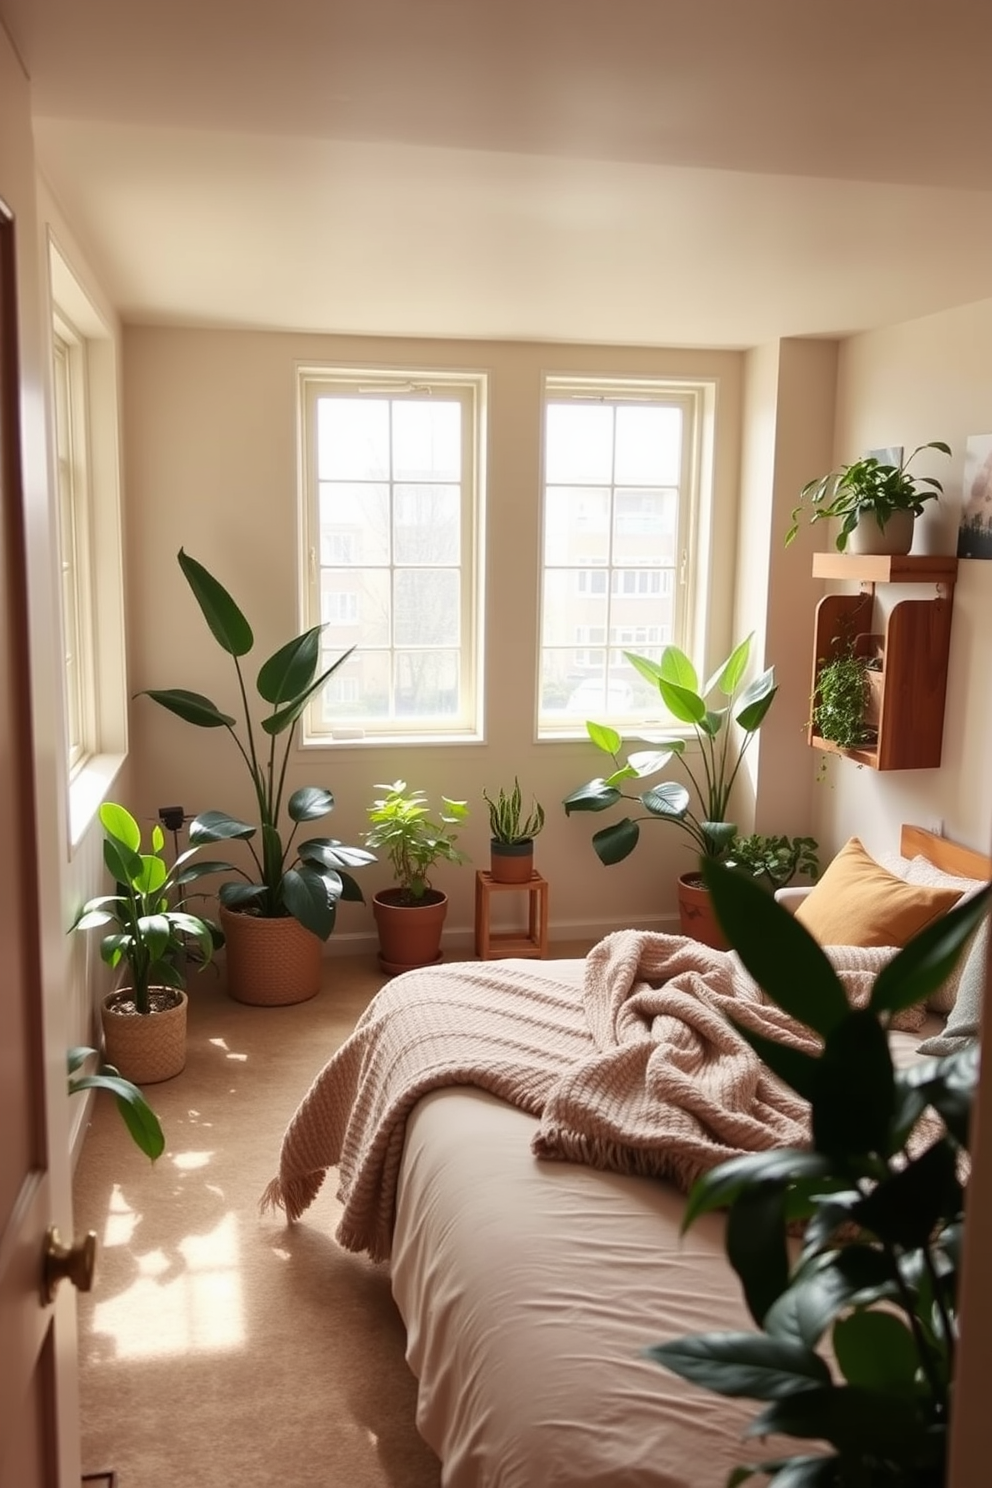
(277, 916)
(858, 1320)
(706, 825)
(143, 1125)
(410, 916)
(512, 835)
(773, 861)
(876, 503)
(840, 702)
(144, 1019)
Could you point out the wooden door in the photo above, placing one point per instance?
(33, 1188)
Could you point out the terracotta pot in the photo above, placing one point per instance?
(895, 537)
(696, 915)
(409, 934)
(146, 1047)
(511, 862)
(270, 962)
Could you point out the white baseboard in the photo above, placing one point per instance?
(462, 937)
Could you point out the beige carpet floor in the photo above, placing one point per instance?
(219, 1347)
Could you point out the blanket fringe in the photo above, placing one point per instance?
(293, 1195)
(558, 1144)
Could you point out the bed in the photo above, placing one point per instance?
(515, 1138)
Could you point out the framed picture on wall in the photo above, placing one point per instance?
(975, 531)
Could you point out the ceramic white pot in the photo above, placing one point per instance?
(896, 537)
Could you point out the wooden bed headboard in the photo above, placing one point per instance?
(951, 857)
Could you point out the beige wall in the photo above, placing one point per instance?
(210, 439)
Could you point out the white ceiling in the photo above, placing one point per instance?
(713, 172)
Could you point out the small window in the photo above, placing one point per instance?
(69, 381)
(620, 491)
(393, 522)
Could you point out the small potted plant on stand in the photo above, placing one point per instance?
(876, 503)
(512, 835)
(410, 916)
(706, 826)
(144, 1020)
(277, 917)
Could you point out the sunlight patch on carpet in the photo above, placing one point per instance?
(187, 1302)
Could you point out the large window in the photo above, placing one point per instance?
(621, 465)
(392, 524)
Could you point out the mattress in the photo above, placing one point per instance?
(530, 1291)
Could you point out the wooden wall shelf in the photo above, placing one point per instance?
(914, 647)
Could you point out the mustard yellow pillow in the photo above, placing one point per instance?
(859, 903)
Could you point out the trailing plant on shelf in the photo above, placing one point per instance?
(306, 879)
(873, 1281)
(142, 1124)
(507, 823)
(867, 487)
(412, 839)
(720, 759)
(840, 700)
(774, 861)
(148, 913)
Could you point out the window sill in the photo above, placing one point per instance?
(88, 790)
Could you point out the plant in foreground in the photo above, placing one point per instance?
(304, 880)
(720, 759)
(874, 1281)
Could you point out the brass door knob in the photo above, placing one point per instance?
(75, 1263)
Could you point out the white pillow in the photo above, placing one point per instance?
(922, 871)
(965, 1021)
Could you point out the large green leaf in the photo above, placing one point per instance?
(306, 897)
(284, 718)
(686, 706)
(860, 1423)
(904, 1208)
(123, 865)
(929, 958)
(827, 1286)
(604, 737)
(614, 843)
(676, 669)
(728, 676)
(595, 795)
(139, 1118)
(781, 956)
(721, 1185)
(855, 1058)
(743, 1364)
(229, 626)
(755, 701)
(191, 707)
(152, 876)
(649, 670)
(333, 854)
(217, 826)
(649, 761)
(876, 1350)
(756, 1245)
(118, 822)
(309, 803)
(290, 670)
(668, 800)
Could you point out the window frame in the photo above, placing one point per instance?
(696, 398)
(470, 388)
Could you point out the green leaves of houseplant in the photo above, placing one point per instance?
(507, 822)
(142, 1124)
(148, 910)
(401, 824)
(305, 880)
(866, 487)
(877, 1267)
(719, 760)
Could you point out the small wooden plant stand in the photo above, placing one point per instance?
(490, 945)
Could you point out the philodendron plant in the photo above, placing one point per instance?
(720, 755)
(858, 1321)
(143, 1125)
(302, 879)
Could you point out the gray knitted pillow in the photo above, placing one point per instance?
(962, 1027)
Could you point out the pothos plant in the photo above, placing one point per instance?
(858, 1323)
(302, 879)
(720, 754)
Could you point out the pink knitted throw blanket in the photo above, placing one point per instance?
(641, 1072)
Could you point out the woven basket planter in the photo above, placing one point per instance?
(270, 963)
(146, 1047)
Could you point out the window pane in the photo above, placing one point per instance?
(576, 523)
(579, 443)
(427, 527)
(352, 438)
(427, 439)
(565, 609)
(649, 445)
(426, 607)
(354, 522)
(645, 526)
(427, 684)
